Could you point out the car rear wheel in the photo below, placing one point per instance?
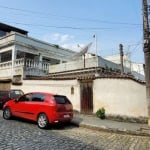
(42, 121)
(7, 113)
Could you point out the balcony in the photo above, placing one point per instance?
(23, 67)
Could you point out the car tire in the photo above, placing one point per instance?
(7, 113)
(42, 121)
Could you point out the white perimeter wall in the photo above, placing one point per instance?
(123, 97)
(54, 86)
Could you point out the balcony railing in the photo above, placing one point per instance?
(26, 63)
(6, 65)
(30, 67)
(30, 63)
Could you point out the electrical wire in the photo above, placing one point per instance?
(70, 27)
(68, 17)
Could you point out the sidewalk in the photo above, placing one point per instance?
(95, 123)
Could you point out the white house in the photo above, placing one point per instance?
(21, 55)
(91, 82)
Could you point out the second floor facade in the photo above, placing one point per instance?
(22, 55)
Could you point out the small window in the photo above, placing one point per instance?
(38, 97)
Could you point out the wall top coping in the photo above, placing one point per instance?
(87, 74)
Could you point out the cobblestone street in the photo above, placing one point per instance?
(21, 135)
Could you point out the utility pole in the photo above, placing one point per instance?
(96, 64)
(146, 49)
(121, 57)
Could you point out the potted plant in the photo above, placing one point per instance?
(101, 113)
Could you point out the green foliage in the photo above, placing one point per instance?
(101, 113)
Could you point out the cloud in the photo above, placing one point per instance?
(64, 40)
(74, 46)
(58, 38)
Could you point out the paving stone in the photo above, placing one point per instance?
(22, 135)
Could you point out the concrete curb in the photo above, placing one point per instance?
(142, 132)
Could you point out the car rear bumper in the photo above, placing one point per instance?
(62, 117)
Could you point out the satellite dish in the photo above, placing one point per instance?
(81, 53)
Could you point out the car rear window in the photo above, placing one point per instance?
(61, 99)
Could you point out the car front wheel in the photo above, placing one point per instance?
(7, 113)
(42, 121)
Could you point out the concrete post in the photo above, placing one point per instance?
(147, 76)
(40, 61)
(146, 49)
(13, 60)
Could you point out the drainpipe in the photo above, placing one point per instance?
(121, 57)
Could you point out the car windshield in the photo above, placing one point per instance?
(15, 93)
(61, 99)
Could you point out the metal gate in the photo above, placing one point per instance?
(86, 92)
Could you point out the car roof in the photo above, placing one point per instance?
(47, 93)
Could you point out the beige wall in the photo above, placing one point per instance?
(123, 97)
(54, 86)
(5, 85)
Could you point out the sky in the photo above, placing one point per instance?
(72, 23)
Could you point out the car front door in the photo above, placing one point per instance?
(20, 107)
(36, 105)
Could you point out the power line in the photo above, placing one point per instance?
(68, 17)
(64, 27)
(70, 27)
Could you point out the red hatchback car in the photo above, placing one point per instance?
(44, 108)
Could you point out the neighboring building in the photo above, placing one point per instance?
(111, 62)
(136, 69)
